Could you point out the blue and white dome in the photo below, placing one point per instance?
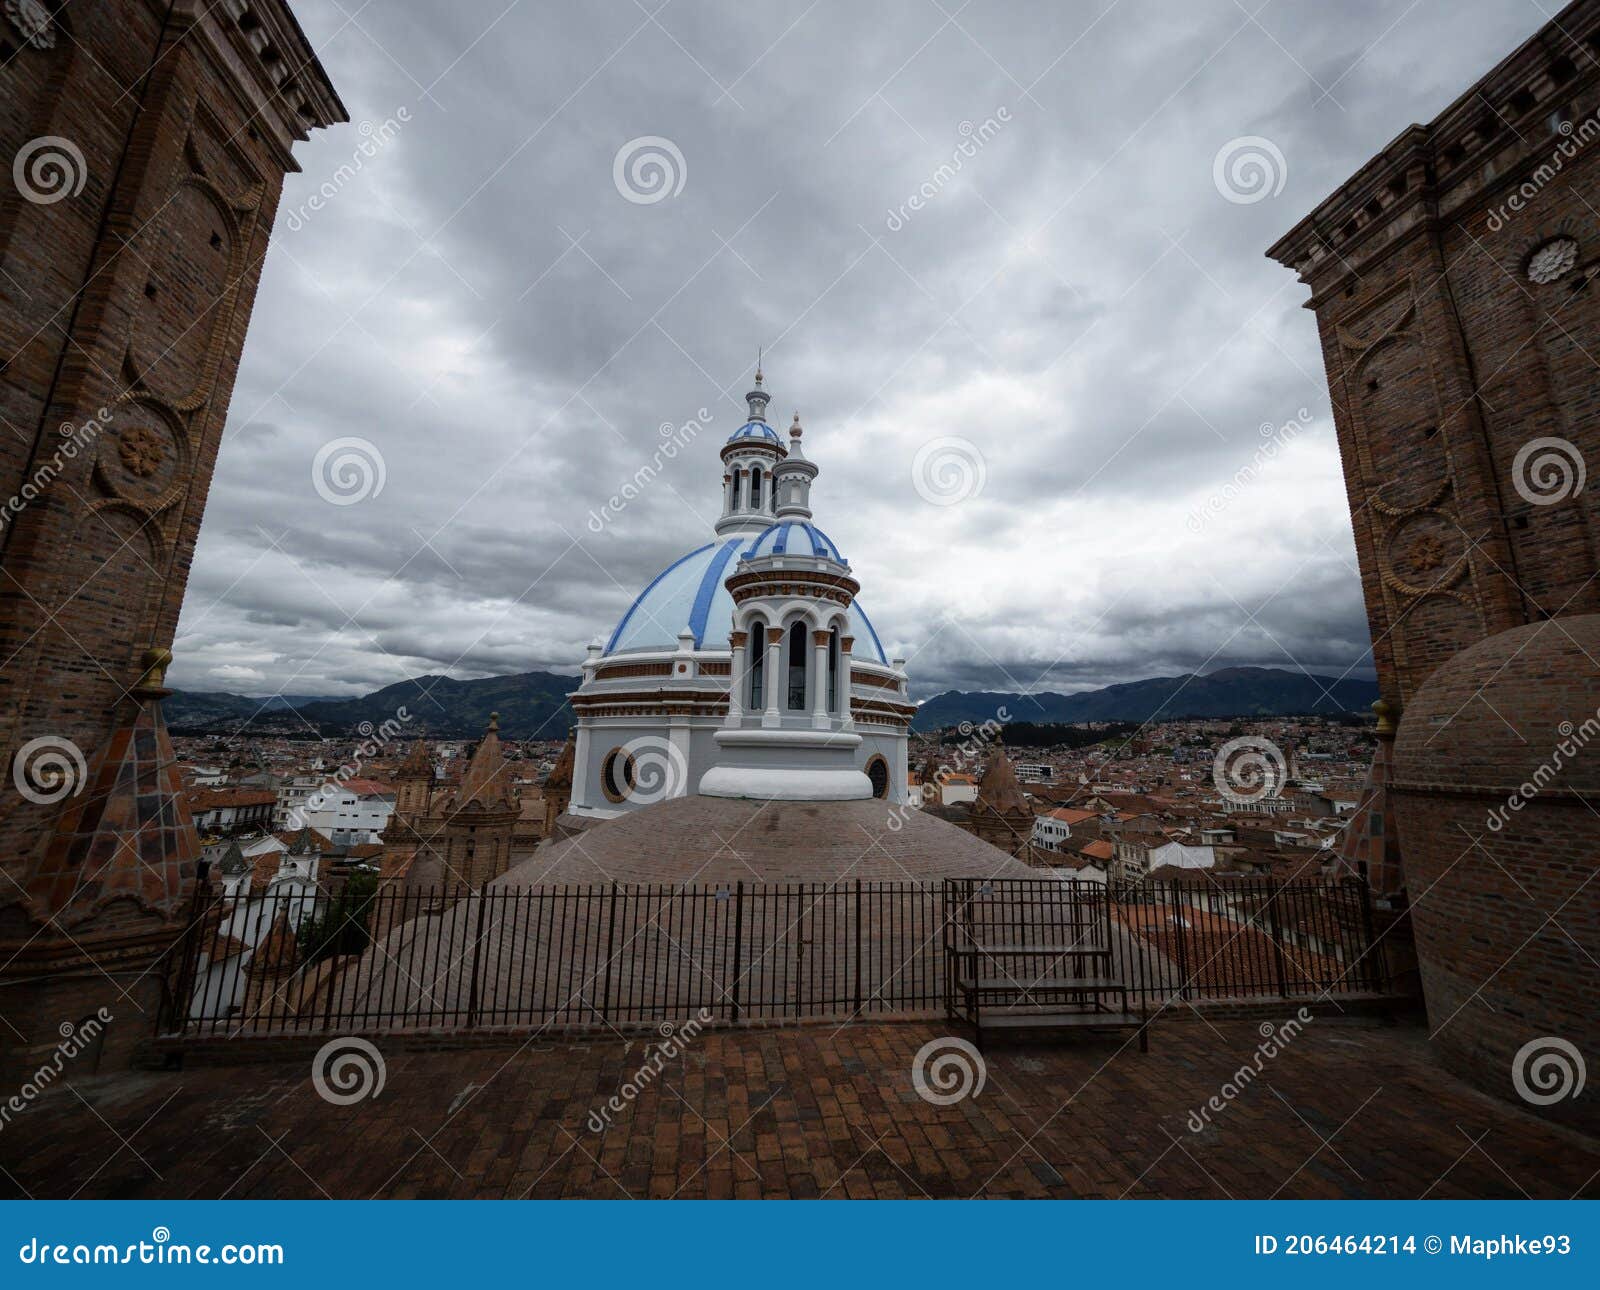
(691, 591)
(794, 537)
(754, 430)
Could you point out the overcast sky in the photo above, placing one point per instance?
(1031, 390)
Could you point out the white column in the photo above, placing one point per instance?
(819, 680)
(580, 769)
(846, 644)
(679, 735)
(775, 680)
(737, 679)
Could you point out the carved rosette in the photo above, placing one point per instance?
(1401, 445)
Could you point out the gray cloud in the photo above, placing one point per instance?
(1078, 301)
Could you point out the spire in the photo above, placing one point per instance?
(417, 764)
(487, 780)
(758, 398)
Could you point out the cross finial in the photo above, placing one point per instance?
(758, 367)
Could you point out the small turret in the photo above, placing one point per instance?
(792, 478)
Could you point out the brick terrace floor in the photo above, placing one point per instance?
(1349, 1109)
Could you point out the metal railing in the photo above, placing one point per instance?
(634, 954)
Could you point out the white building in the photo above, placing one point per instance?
(349, 814)
(747, 668)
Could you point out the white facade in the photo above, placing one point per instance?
(347, 814)
(746, 669)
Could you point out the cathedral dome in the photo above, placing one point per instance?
(691, 592)
(791, 538)
(754, 430)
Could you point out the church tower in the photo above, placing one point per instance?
(790, 732)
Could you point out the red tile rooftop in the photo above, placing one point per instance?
(1348, 1108)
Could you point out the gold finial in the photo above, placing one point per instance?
(152, 683)
(1386, 713)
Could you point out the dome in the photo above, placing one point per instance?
(754, 430)
(691, 591)
(679, 840)
(789, 537)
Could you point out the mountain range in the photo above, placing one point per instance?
(534, 704)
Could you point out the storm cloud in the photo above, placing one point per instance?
(1006, 260)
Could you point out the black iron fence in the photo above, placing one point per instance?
(631, 954)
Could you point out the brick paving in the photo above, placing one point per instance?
(1351, 1108)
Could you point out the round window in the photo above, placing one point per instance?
(617, 775)
(878, 773)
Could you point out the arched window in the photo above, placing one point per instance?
(833, 672)
(756, 662)
(756, 503)
(797, 667)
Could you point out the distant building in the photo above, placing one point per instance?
(356, 811)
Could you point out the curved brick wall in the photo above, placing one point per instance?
(1505, 898)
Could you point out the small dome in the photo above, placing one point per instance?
(792, 537)
(754, 430)
(690, 592)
